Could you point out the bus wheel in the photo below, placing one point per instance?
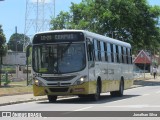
(96, 96)
(121, 89)
(52, 98)
(118, 93)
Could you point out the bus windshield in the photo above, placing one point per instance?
(59, 58)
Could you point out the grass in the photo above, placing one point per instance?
(15, 88)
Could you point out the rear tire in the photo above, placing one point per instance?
(121, 89)
(52, 98)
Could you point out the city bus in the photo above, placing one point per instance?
(81, 63)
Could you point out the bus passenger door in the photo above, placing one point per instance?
(91, 64)
(90, 53)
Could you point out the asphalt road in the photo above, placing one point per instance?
(146, 98)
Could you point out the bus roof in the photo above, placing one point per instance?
(93, 35)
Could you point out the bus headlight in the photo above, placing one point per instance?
(81, 80)
(38, 83)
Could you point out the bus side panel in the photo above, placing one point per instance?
(110, 74)
(128, 84)
(92, 80)
(128, 76)
(109, 77)
(114, 76)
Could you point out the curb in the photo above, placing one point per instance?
(22, 101)
(3, 95)
(28, 100)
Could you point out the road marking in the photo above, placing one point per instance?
(84, 108)
(145, 94)
(158, 92)
(134, 106)
(77, 110)
(128, 106)
(67, 97)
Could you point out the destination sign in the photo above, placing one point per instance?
(58, 37)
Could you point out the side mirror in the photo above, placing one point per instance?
(28, 51)
(27, 57)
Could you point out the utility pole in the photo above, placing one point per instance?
(144, 61)
(17, 66)
(0, 63)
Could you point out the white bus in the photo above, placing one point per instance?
(78, 62)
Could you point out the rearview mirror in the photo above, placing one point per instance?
(27, 51)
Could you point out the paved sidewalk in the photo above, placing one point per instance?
(14, 99)
(147, 81)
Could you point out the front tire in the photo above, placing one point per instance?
(52, 98)
(96, 96)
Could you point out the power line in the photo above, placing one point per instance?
(38, 16)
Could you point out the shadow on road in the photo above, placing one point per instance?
(77, 100)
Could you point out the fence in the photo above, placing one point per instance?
(14, 73)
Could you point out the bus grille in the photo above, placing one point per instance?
(64, 78)
(60, 84)
(58, 89)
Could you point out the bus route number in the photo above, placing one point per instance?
(46, 37)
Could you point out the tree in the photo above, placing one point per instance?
(2, 48)
(61, 21)
(133, 21)
(2, 44)
(2, 36)
(16, 42)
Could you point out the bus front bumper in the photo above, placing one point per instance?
(60, 91)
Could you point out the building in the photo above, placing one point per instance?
(14, 58)
(14, 63)
(143, 61)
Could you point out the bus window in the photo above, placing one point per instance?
(95, 50)
(102, 51)
(127, 56)
(105, 51)
(109, 52)
(122, 54)
(117, 54)
(112, 53)
(99, 50)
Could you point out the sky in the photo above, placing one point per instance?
(12, 13)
